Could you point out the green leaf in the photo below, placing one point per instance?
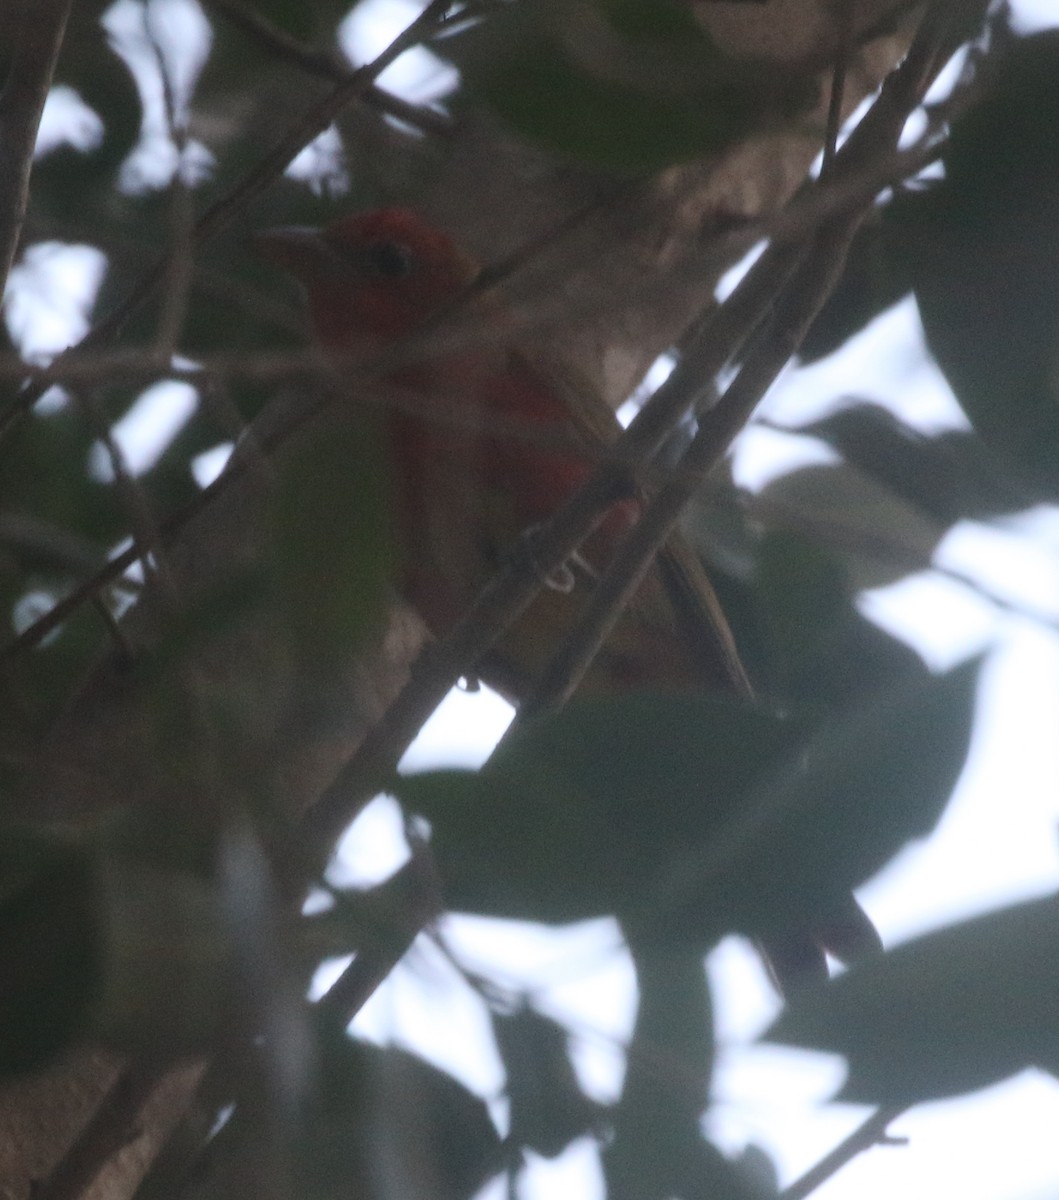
(44, 473)
(950, 476)
(375, 1109)
(866, 782)
(983, 249)
(306, 22)
(803, 593)
(689, 816)
(947, 1013)
(880, 536)
(872, 281)
(657, 1148)
(577, 811)
(819, 651)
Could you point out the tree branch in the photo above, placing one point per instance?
(325, 65)
(774, 344)
(864, 1137)
(40, 27)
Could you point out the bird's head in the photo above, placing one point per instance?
(370, 277)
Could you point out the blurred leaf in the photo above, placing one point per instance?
(575, 811)
(880, 536)
(657, 1150)
(294, 18)
(949, 476)
(617, 806)
(803, 594)
(38, 683)
(166, 958)
(867, 781)
(819, 652)
(622, 84)
(39, 545)
(74, 189)
(44, 473)
(983, 249)
(750, 564)
(548, 1108)
(950, 1012)
(49, 953)
(381, 1122)
(333, 539)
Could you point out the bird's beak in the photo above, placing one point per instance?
(298, 249)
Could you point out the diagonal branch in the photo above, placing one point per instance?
(871, 1133)
(325, 65)
(813, 270)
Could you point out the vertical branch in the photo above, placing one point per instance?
(40, 33)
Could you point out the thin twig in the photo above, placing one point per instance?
(717, 428)
(507, 596)
(452, 330)
(412, 900)
(326, 65)
(179, 262)
(871, 1133)
(847, 30)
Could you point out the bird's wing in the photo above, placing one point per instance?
(695, 604)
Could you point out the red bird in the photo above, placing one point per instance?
(485, 444)
(500, 449)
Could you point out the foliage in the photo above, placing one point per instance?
(154, 849)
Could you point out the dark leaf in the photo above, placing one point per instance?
(871, 282)
(657, 1149)
(44, 475)
(803, 594)
(49, 953)
(866, 782)
(382, 1122)
(951, 1012)
(819, 652)
(879, 537)
(950, 476)
(548, 1108)
(983, 248)
(576, 811)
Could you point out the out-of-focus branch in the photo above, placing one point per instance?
(41, 25)
(325, 65)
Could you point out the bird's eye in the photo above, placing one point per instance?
(391, 260)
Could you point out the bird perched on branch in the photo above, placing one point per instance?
(483, 444)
